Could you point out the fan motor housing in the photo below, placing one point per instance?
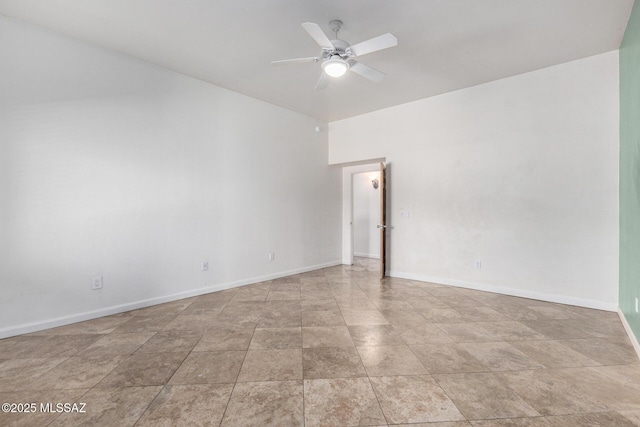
(341, 48)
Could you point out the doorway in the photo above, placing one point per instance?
(363, 220)
(366, 215)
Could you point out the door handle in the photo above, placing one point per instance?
(381, 226)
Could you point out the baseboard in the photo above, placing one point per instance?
(107, 311)
(561, 299)
(362, 255)
(632, 336)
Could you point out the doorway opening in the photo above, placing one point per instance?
(364, 215)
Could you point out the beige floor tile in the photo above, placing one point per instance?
(167, 309)
(604, 352)
(101, 325)
(272, 365)
(481, 314)
(332, 362)
(550, 392)
(615, 388)
(76, 372)
(467, 332)
(171, 342)
(110, 407)
(314, 295)
(209, 368)
(500, 356)
(280, 314)
(364, 317)
(390, 360)
(276, 338)
(405, 319)
(383, 304)
(319, 304)
(427, 302)
(243, 307)
(518, 312)
(414, 399)
(48, 346)
(15, 374)
(458, 300)
(596, 419)
(374, 335)
(553, 354)
(555, 312)
(203, 310)
(514, 422)
(441, 424)
(198, 404)
(423, 333)
(143, 369)
(113, 344)
(275, 403)
(42, 416)
(238, 317)
(209, 302)
(484, 396)
(447, 358)
(283, 295)
(140, 324)
(356, 304)
(328, 317)
(221, 339)
(326, 336)
(511, 331)
(633, 416)
(284, 287)
(341, 402)
(443, 315)
(555, 329)
(192, 322)
(251, 295)
(22, 346)
(600, 327)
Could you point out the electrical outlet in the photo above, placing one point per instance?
(96, 283)
(272, 256)
(204, 266)
(636, 304)
(478, 265)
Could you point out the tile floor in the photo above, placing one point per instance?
(334, 347)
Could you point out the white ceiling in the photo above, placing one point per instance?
(443, 45)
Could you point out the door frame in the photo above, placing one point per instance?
(348, 171)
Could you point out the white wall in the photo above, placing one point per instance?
(366, 216)
(520, 174)
(112, 167)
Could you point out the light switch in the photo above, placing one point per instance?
(404, 214)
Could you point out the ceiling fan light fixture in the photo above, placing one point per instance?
(335, 67)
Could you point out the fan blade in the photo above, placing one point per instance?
(377, 43)
(367, 72)
(323, 81)
(297, 60)
(318, 35)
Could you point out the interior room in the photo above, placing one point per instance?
(434, 221)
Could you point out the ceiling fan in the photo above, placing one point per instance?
(337, 56)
